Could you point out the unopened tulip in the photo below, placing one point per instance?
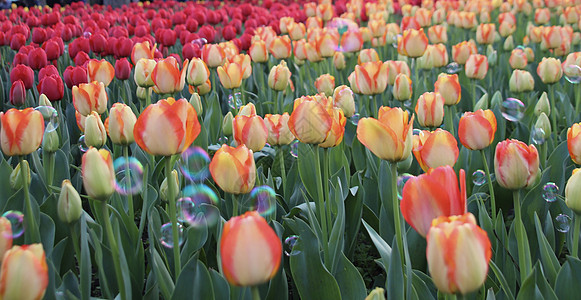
(310, 121)
(16, 177)
(24, 273)
(458, 254)
(278, 130)
(485, 33)
(167, 127)
(549, 70)
(98, 174)
(167, 76)
(250, 249)
(351, 41)
(432, 195)
(325, 84)
(213, 55)
(574, 142)
(438, 55)
(521, 81)
(233, 169)
(69, 206)
(395, 67)
(122, 69)
(297, 31)
(542, 16)
(198, 73)
(280, 47)
(248, 110)
(142, 74)
(367, 55)
(163, 187)
(448, 86)
(339, 61)
(5, 236)
(230, 75)
(250, 131)
(438, 34)
(279, 76)
(518, 59)
(335, 135)
(244, 61)
(343, 98)
(430, 109)
(227, 124)
(258, 52)
(543, 105)
(414, 43)
(95, 133)
(402, 87)
(476, 129)
(24, 73)
(551, 37)
(573, 192)
(389, 136)
(17, 93)
(100, 71)
(88, 97)
(369, 78)
(120, 124)
(476, 66)
(462, 51)
(516, 164)
(142, 50)
(21, 131)
(435, 149)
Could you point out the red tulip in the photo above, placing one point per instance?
(24, 73)
(52, 86)
(75, 76)
(17, 93)
(122, 69)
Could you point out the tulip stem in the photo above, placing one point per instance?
(48, 158)
(277, 102)
(553, 111)
(171, 193)
(31, 227)
(255, 293)
(577, 88)
(147, 99)
(490, 187)
(449, 119)
(321, 202)
(234, 205)
(128, 174)
(575, 245)
(523, 265)
(326, 186)
(261, 87)
(113, 246)
(282, 172)
(396, 210)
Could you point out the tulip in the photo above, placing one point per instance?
(476, 129)
(230, 75)
(122, 69)
(52, 86)
(430, 109)
(233, 169)
(438, 34)
(310, 122)
(518, 59)
(95, 133)
(69, 206)
(279, 77)
(88, 97)
(167, 77)
(476, 66)
(163, 187)
(339, 61)
(37, 58)
(5, 237)
(435, 149)
(17, 93)
(351, 41)
(432, 195)
(516, 165)
(462, 51)
(369, 78)
(250, 131)
(143, 70)
(389, 136)
(414, 43)
(343, 98)
(248, 110)
(24, 273)
(213, 55)
(542, 16)
(201, 89)
(311, 52)
(227, 123)
(325, 84)
(21, 131)
(100, 71)
(574, 142)
(448, 86)
(297, 31)
(24, 73)
(120, 124)
(485, 33)
(395, 67)
(278, 130)
(257, 51)
(458, 254)
(142, 50)
(285, 22)
(75, 76)
(438, 54)
(551, 37)
(549, 70)
(244, 61)
(280, 47)
(335, 135)
(573, 192)
(521, 81)
(167, 127)
(251, 251)
(402, 87)
(98, 174)
(325, 11)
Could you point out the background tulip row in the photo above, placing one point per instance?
(292, 149)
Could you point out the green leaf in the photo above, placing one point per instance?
(85, 259)
(350, 282)
(306, 163)
(312, 280)
(395, 278)
(535, 286)
(164, 279)
(382, 247)
(568, 279)
(220, 285)
(194, 282)
(501, 279)
(549, 261)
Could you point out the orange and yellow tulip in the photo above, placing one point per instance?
(24, 273)
(233, 169)
(167, 76)
(516, 164)
(430, 109)
(142, 50)
(310, 122)
(120, 124)
(476, 129)
(574, 142)
(476, 66)
(98, 173)
(413, 43)
(449, 88)
(100, 71)
(198, 72)
(21, 131)
(434, 149)
(250, 131)
(88, 97)
(369, 78)
(278, 130)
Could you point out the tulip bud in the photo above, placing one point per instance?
(377, 294)
(430, 109)
(476, 66)
(339, 61)
(163, 188)
(258, 52)
(196, 102)
(250, 131)
(24, 273)
(343, 98)
(17, 93)
(550, 70)
(449, 87)
(43, 101)
(492, 55)
(234, 169)
(278, 131)
(482, 103)
(543, 105)
(120, 124)
(279, 77)
(142, 92)
(574, 142)
(521, 81)
(16, 175)
(142, 74)
(197, 72)
(227, 124)
(508, 43)
(402, 87)
(573, 192)
(425, 145)
(496, 100)
(325, 84)
(69, 207)
(98, 174)
(95, 133)
(50, 141)
(516, 164)
(544, 124)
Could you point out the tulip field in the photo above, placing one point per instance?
(294, 149)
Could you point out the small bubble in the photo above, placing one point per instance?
(538, 136)
(512, 109)
(355, 119)
(166, 238)
(563, 223)
(294, 149)
(479, 177)
(453, 68)
(128, 175)
(401, 180)
(407, 103)
(550, 192)
(289, 244)
(50, 116)
(520, 47)
(223, 140)
(235, 100)
(16, 220)
(200, 42)
(492, 177)
(87, 34)
(572, 74)
(197, 207)
(416, 131)
(82, 145)
(395, 40)
(261, 199)
(194, 164)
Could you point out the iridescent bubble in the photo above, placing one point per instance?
(479, 177)
(289, 244)
(492, 177)
(572, 74)
(235, 100)
(563, 223)
(538, 136)
(401, 180)
(395, 40)
(520, 47)
(294, 149)
(512, 109)
(453, 68)
(128, 175)
(16, 220)
(50, 116)
(87, 34)
(550, 192)
(197, 207)
(416, 131)
(194, 164)
(167, 239)
(407, 103)
(355, 119)
(261, 199)
(200, 42)
(82, 145)
(223, 140)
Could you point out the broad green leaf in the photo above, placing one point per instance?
(549, 262)
(194, 282)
